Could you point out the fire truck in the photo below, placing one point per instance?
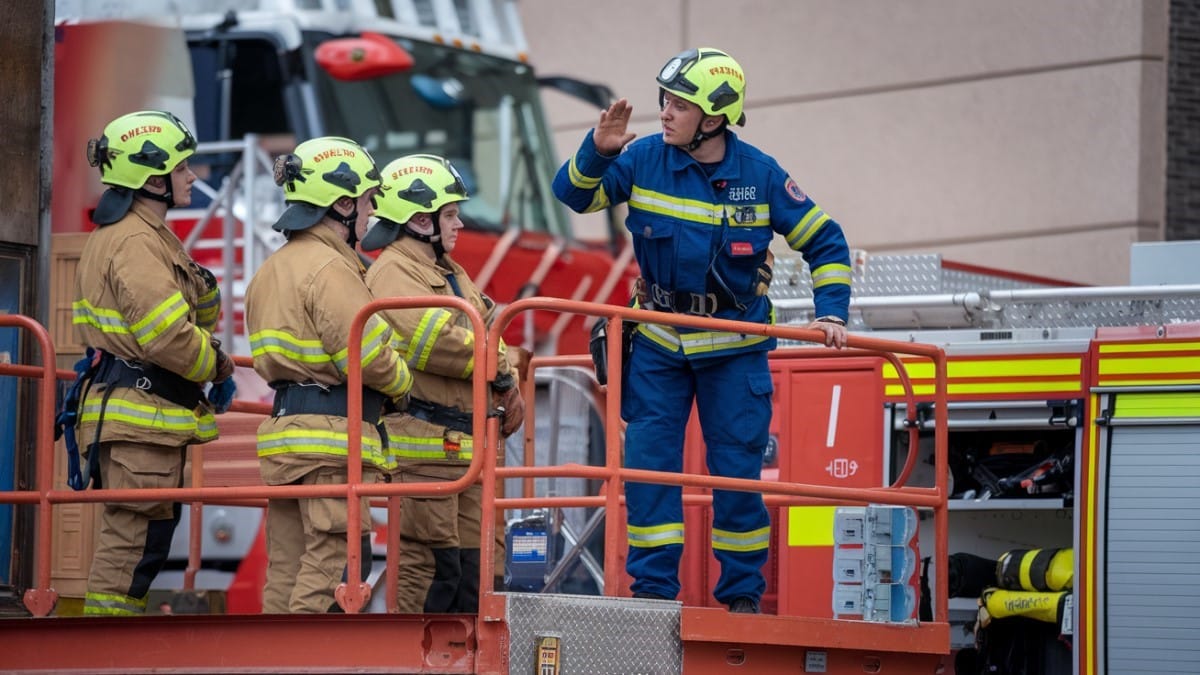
(254, 78)
(978, 418)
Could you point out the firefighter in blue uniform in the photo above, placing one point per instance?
(703, 209)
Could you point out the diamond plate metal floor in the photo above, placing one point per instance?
(639, 636)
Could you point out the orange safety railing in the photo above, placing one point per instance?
(353, 595)
(613, 475)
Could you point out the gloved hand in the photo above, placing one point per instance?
(765, 274)
(221, 394)
(514, 409)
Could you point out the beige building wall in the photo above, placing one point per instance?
(1022, 134)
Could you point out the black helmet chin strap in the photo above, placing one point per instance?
(700, 136)
(167, 197)
(349, 220)
(434, 240)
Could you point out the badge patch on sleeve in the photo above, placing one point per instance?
(741, 248)
(794, 190)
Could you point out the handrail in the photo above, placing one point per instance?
(613, 474)
(353, 594)
(40, 600)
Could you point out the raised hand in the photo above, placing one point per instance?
(612, 132)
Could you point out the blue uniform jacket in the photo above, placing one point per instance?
(695, 234)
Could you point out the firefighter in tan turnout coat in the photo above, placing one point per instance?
(430, 437)
(299, 309)
(148, 311)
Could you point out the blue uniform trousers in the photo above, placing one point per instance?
(733, 397)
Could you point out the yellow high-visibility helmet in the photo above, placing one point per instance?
(411, 185)
(139, 145)
(319, 172)
(708, 77)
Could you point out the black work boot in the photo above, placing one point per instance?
(743, 605)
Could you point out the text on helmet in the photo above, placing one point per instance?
(726, 70)
(138, 131)
(411, 169)
(334, 152)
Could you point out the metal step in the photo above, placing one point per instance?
(638, 636)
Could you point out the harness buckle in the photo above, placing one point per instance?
(142, 383)
(703, 304)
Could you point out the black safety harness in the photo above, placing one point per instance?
(311, 398)
(99, 367)
(442, 415)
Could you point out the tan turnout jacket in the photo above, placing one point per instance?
(439, 345)
(140, 297)
(299, 308)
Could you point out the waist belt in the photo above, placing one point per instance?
(441, 415)
(699, 304)
(292, 398)
(117, 372)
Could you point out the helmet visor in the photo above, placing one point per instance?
(188, 142)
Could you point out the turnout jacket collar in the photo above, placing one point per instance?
(431, 271)
(679, 159)
(327, 236)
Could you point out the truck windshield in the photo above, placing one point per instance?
(480, 112)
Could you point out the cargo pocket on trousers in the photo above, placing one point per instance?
(139, 467)
(327, 514)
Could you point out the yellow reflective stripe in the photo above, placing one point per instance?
(469, 342)
(1041, 367)
(703, 342)
(208, 308)
(660, 335)
(206, 360)
(1152, 365)
(287, 345)
(992, 376)
(599, 201)
(834, 273)
(684, 209)
(376, 335)
(1088, 477)
(1012, 387)
(810, 525)
(762, 215)
(160, 318)
(578, 179)
(112, 604)
(103, 320)
(420, 346)
(1142, 347)
(714, 341)
(149, 416)
(655, 535)
(806, 228)
(1166, 404)
(1145, 383)
(318, 441)
(754, 540)
(401, 383)
(427, 447)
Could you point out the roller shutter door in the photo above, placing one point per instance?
(1153, 549)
